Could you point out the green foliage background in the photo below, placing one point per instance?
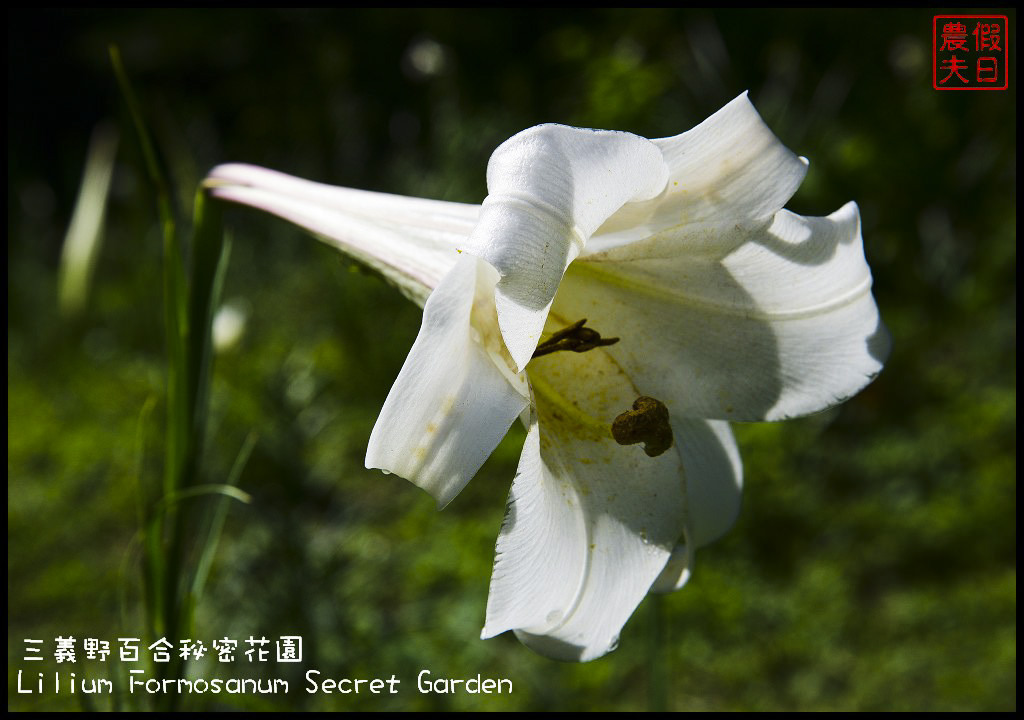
(874, 563)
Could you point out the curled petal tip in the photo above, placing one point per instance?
(550, 188)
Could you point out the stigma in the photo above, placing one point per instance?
(648, 423)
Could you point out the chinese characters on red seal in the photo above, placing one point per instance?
(970, 52)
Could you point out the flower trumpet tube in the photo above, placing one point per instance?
(625, 299)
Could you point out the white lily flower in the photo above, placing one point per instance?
(625, 298)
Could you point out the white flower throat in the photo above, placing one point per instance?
(648, 420)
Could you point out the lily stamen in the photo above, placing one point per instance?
(575, 338)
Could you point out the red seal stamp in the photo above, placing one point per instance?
(970, 52)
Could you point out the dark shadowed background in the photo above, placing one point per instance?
(873, 565)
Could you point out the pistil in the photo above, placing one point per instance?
(648, 423)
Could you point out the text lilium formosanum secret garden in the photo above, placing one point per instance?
(625, 299)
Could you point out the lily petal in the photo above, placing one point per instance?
(730, 164)
(713, 474)
(757, 324)
(714, 477)
(590, 525)
(550, 187)
(410, 241)
(451, 404)
(677, 572)
(589, 390)
(730, 171)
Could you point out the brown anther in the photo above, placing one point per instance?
(648, 423)
(575, 338)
